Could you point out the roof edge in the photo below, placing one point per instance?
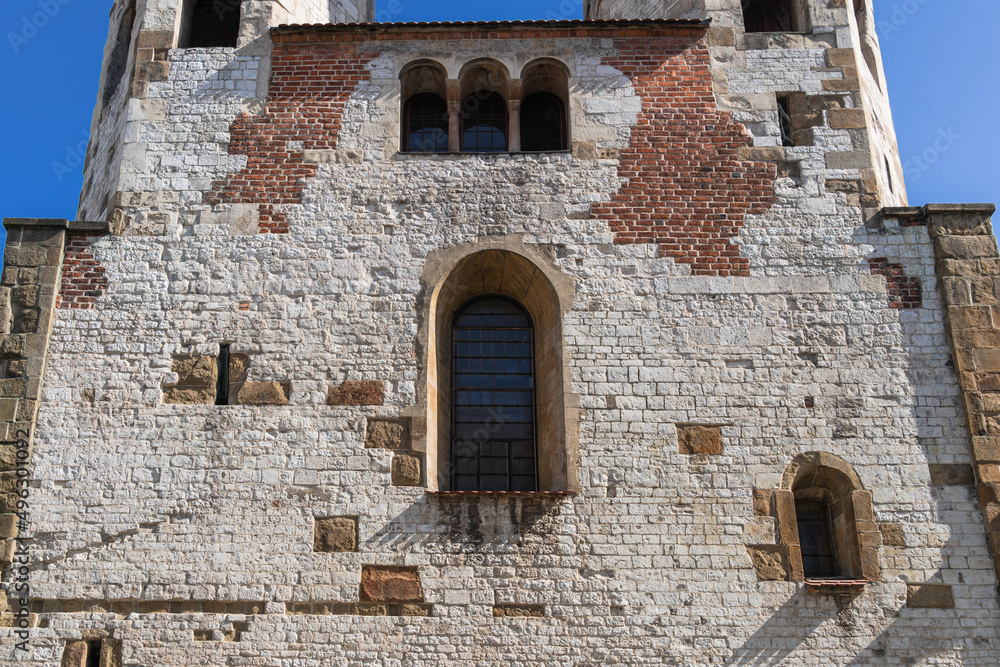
(305, 28)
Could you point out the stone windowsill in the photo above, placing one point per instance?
(836, 584)
(449, 155)
(504, 494)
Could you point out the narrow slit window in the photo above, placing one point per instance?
(484, 123)
(222, 388)
(94, 654)
(785, 121)
(816, 539)
(426, 124)
(493, 406)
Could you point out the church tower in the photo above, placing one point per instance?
(142, 35)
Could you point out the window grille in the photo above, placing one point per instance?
(542, 123)
(484, 123)
(816, 538)
(493, 403)
(427, 124)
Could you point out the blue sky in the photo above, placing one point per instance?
(944, 83)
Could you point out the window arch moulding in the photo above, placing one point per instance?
(503, 266)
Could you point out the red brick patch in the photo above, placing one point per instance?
(83, 278)
(310, 84)
(687, 190)
(904, 292)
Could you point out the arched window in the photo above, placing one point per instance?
(494, 396)
(426, 120)
(493, 405)
(542, 126)
(213, 23)
(816, 538)
(484, 123)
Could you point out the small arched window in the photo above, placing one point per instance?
(542, 126)
(484, 123)
(774, 16)
(426, 124)
(819, 558)
(214, 23)
(493, 407)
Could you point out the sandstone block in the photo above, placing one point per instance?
(699, 440)
(519, 611)
(75, 655)
(929, 596)
(197, 376)
(239, 366)
(965, 247)
(585, 150)
(264, 393)
(406, 470)
(387, 434)
(843, 119)
(423, 610)
(986, 449)
(770, 561)
(357, 392)
(952, 475)
(762, 502)
(893, 535)
(336, 535)
(390, 584)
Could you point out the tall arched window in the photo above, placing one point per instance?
(493, 405)
(214, 23)
(484, 123)
(426, 119)
(542, 127)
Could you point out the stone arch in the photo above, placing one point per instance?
(425, 116)
(828, 478)
(503, 266)
(484, 75)
(423, 76)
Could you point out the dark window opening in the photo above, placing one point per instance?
(214, 23)
(222, 386)
(785, 121)
(542, 123)
(767, 16)
(493, 404)
(119, 54)
(888, 174)
(426, 124)
(816, 538)
(484, 123)
(94, 654)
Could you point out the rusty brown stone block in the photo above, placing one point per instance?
(239, 366)
(965, 247)
(986, 449)
(264, 393)
(845, 119)
(929, 596)
(519, 611)
(893, 535)
(357, 392)
(406, 470)
(699, 440)
(336, 535)
(390, 584)
(958, 474)
(770, 561)
(387, 434)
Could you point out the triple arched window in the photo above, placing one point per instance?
(484, 110)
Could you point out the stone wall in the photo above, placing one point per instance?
(302, 531)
